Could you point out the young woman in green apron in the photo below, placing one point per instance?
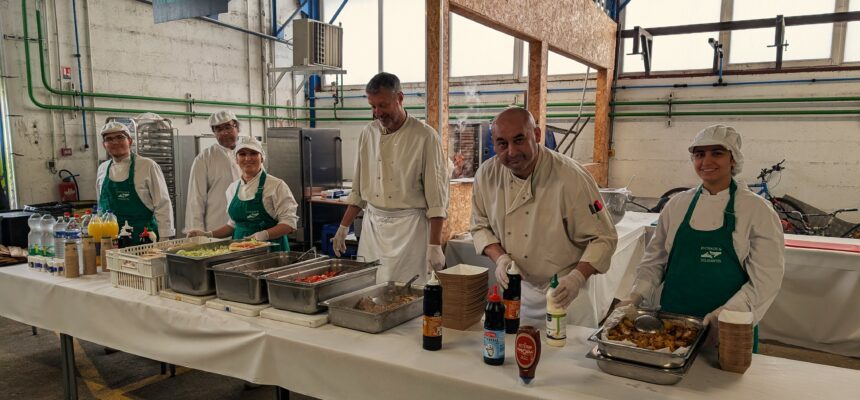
(122, 199)
(268, 212)
(718, 246)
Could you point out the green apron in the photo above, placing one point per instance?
(251, 217)
(704, 271)
(122, 199)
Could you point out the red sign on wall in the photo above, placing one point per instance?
(66, 72)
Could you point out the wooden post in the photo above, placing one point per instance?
(538, 55)
(437, 68)
(601, 127)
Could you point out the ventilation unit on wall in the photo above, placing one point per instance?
(316, 43)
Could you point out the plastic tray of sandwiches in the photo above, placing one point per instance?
(662, 357)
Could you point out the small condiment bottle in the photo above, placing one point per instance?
(556, 324)
(494, 330)
(125, 239)
(432, 329)
(511, 299)
(527, 352)
(146, 237)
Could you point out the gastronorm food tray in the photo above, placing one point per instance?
(190, 275)
(240, 280)
(342, 310)
(639, 372)
(286, 293)
(621, 351)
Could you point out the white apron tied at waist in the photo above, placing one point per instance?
(398, 239)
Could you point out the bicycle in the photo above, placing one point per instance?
(824, 229)
(791, 215)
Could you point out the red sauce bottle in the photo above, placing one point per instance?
(527, 352)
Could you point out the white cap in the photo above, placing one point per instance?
(221, 117)
(245, 142)
(725, 136)
(114, 126)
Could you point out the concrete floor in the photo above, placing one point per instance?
(30, 369)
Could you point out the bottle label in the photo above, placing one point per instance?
(526, 350)
(556, 328)
(512, 309)
(432, 326)
(494, 344)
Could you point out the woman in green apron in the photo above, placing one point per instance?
(122, 197)
(716, 247)
(260, 206)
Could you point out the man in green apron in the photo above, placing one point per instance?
(717, 247)
(261, 206)
(132, 186)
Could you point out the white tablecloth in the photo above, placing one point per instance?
(336, 363)
(593, 303)
(818, 306)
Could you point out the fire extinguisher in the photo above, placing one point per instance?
(68, 186)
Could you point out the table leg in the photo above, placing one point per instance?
(70, 386)
(281, 393)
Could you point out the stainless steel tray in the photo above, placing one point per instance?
(190, 275)
(639, 372)
(621, 351)
(240, 280)
(342, 311)
(287, 294)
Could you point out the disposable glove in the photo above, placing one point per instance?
(260, 236)
(338, 242)
(502, 263)
(435, 258)
(197, 232)
(633, 298)
(713, 337)
(568, 288)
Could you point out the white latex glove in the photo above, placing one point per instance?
(435, 258)
(568, 288)
(260, 236)
(711, 317)
(338, 242)
(713, 337)
(197, 232)
(502, 263)
(633, 298)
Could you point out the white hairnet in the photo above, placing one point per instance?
(245, 142)
(221, 117)
(725, 136)
(114, 126)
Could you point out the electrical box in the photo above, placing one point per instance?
(316, 43)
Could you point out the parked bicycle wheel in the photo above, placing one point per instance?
(791, 215)
(664, 198)
(853, 233)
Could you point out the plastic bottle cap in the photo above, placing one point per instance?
(513, 269)
(553, 283)
(495, 296)
(433, 281)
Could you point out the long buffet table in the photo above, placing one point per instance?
(332, 362)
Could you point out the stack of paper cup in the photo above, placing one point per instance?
(736, 340)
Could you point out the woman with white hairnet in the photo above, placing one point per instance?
(718, 246)
(260, 206)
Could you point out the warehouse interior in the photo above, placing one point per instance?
(622, 87)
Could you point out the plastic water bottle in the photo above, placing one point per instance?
(47, 240)
(34, 238)
(73, 234)
(60, 235)
(85, 223)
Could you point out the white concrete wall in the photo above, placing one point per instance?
(131, 55)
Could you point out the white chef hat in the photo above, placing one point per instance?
(221, 117)
(725, 136)
(114, 126)
(245, 142)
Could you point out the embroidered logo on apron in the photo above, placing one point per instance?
(710, 255)
(123, 195)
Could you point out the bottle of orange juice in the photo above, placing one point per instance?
(96, 229)
(111, 225)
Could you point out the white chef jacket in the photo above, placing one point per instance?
(544, 221)
(758, 241)
(404, 169)
(278, 200)
(213, 170)
(150, 187)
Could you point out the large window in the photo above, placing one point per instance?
(360, 21)
(403, 39)
(852, 40)
(805, 41)
(479, 50)
(675, 52)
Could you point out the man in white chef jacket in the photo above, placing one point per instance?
(401, 182)
(542, 210)
(213, 170)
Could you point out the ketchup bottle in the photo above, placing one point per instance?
(527, 352)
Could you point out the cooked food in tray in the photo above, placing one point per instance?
(368, 304)
(319, 277)
(675, 334)
(208, 252)
(250, 244)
